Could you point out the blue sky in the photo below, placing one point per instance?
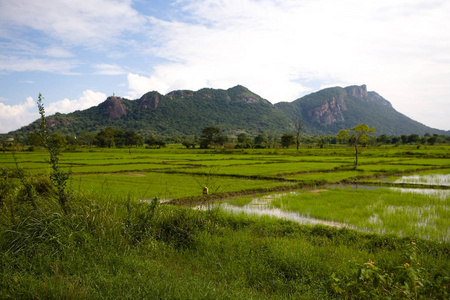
(78, 53)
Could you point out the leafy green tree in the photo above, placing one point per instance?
(34, 139)
(261, 141)
(404, 139)
(71, 140)
(432, 140)
(58, 141)
(413, 139)
(243, 141)
(86, 138)
(189, 143)
(105, 138)
(359, 135)
(155, 142)
(211, 136)
(383, 139)
(242, 138)
(287, 140)
(132, 138)
(343, 136)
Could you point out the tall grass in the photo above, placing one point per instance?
(106, 247)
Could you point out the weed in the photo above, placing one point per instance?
(58, 176)
(409, 280)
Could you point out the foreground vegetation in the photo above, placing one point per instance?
(113, 248)
(114, 239)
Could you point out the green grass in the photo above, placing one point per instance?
(146, 185)
(331, 177)
(269, 169)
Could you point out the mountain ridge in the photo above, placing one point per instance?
(236, 110)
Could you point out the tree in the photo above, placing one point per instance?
(105, 138)
(86, 138)
(211, 136)
(155, 142)
(261, 141)
(287, 140)
(297, 130)
(189, 143)
(413, 139)
(432, 140)
(343, 136)
(356, 136)
(34, 139)
(243, 141)
(132, 138)
(359, 135)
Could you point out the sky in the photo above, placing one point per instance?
(78, 53)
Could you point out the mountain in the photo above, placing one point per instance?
(236, 110)
(330, 110)
(180, 112)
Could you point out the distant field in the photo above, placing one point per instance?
(176, 172)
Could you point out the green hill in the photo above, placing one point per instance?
(237, 110)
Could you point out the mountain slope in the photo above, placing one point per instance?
(330, 110)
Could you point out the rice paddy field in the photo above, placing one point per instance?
(276, 223)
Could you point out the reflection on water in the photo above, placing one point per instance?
(261, 207)
(432, 179)
(435, 193)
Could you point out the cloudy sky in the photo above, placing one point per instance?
(78, 53)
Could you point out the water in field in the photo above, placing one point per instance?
(435, 193)
(261, 206)
(426, 180)
(431, 179)
(363, 208)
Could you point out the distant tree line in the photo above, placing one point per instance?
(214, 137)
(106, 138)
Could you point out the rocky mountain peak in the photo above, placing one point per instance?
(357, 91)
(149, 100)
(113, 107)
(329, 112)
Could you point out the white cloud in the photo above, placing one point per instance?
(16, 116)
(140, 85)
(23, 64)
(109, 69)
(89, 23)
(58, 52)
(88, 99)
(47, 35)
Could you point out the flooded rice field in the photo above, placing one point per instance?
(415, 211)
(262, 206)
(431, 179)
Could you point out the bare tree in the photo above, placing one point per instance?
(297, 126)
